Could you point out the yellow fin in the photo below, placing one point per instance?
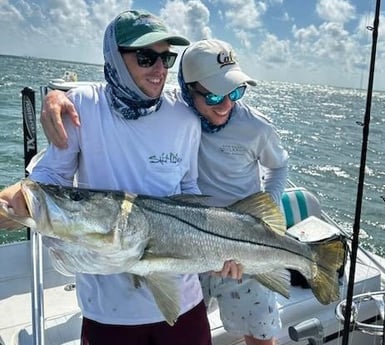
(166, 295)
(262, 206)
(330, 257)
(278, 281)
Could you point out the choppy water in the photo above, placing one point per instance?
(319, 126)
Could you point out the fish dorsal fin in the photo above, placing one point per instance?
(261, 206)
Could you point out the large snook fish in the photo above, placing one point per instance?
(105, 232)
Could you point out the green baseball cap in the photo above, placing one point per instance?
(138, 29)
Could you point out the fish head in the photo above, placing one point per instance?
(42, 208)
(77, 215)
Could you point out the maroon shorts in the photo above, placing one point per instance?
(191, 328)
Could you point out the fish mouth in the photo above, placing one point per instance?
(28, 221)
(8, 212)
(30, 191)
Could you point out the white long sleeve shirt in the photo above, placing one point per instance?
(154, 155)
(244, 157)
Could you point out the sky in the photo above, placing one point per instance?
(302, 41)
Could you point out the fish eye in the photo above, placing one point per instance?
(76, 195)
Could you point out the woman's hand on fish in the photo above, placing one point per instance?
(230, 269)
(55, 105)
(12, 201)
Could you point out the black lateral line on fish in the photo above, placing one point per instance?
(272, 246)
(223, 236)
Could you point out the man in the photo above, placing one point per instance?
(240, 154)
(125, 124)
(237, 144)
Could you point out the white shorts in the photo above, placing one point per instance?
(246, 308)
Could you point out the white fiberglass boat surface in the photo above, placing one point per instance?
(62, 318)
(38, 305)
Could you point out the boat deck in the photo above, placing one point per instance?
(63, 318)
(61, 313)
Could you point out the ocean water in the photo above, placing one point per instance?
(320, 126)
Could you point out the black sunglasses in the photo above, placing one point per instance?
(212, 99)
(147, 57)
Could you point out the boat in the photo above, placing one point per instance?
(38, 304)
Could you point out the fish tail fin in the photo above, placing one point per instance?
(329, 258)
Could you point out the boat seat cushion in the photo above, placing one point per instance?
(299, 204)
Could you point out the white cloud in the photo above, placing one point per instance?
(366, 37)
(275, 51)
(244, 38)
(60, 29)
(333, 42)
(272, 38)
(9, 12)
(190, 18)
(243, 18)
(245, 14)
(340, 11)
(329, 44)
(287, 18)
(304, 35)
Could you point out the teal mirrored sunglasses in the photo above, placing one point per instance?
(212, 99)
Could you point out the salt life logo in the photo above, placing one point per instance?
(166, 158)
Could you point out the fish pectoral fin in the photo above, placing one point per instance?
(166, 295)
(261, 206)
(8, 212)
(278, 281)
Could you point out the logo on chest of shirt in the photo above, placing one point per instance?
(233, 149)
(170, 158)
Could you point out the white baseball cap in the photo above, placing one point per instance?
(212, 63)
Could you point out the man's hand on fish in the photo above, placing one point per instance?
(55, 105)
(230, 269)
(12, 199)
